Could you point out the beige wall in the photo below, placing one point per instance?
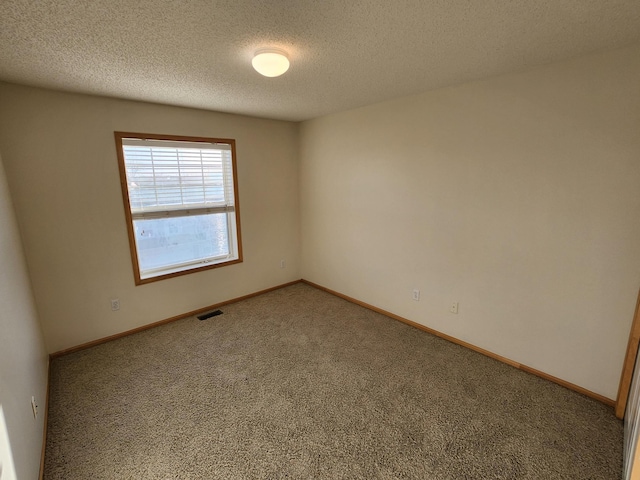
(518, 197)
(23, 359)
(60, 158)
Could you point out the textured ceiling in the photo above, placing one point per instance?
(344, 53)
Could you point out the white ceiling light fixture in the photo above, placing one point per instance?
(270, 62)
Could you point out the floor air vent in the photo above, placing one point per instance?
(204, 316)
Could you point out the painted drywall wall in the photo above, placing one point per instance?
(517, 196)
(60, 158)
(23, 358)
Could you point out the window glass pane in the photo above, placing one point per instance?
(167, 242)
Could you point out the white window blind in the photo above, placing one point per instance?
(171, 179)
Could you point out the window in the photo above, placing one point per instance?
(181, 203)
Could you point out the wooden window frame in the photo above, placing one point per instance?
(119, 136)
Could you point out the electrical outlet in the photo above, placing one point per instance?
(454, 307)
(416, 295)
(115, 304)
(281, 263)
(34, 407)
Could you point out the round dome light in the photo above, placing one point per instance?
(270, 62)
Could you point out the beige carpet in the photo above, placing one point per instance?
(297, 383)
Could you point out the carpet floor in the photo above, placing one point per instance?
(298, 383)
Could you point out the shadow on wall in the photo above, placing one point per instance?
(7, 470)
